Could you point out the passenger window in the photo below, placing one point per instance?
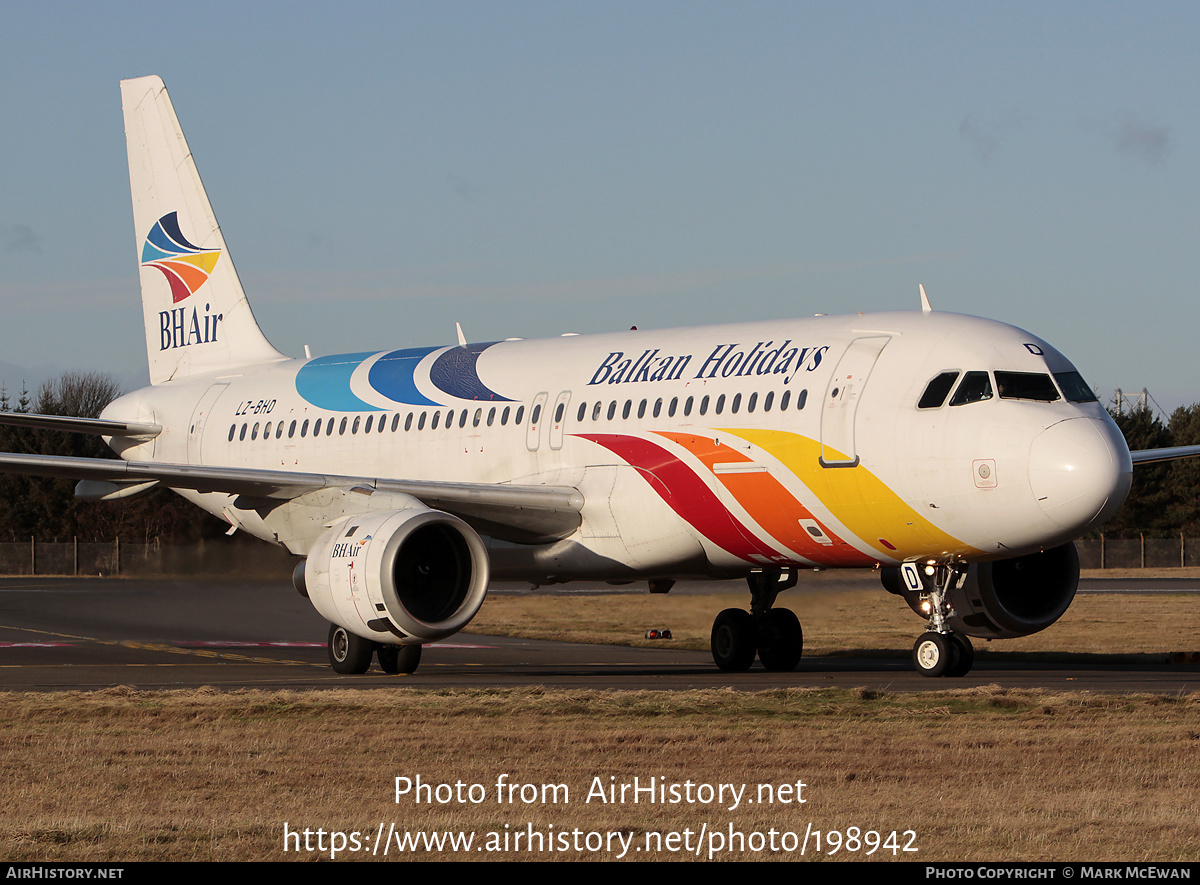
(937, 390)
(1026, 385)
(975, 387)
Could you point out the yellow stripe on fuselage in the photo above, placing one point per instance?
(860, 500)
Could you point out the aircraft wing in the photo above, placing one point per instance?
(1157, 456)
(96, 426)
(508, 511)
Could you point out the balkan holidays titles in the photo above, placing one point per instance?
(725, 361)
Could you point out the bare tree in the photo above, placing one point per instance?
(77, 394)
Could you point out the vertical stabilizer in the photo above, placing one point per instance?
(198, 320)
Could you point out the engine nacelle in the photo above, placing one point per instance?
(1007, 598)
(397, 577)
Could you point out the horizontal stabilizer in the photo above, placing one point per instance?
(96, 426)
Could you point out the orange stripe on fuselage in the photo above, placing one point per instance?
(771, 505)
(861, 501)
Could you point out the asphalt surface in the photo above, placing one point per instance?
(90, 633)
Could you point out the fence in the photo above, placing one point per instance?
(75, 557)
(1139, 552)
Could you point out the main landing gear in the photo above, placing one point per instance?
(939, 651)
(773, 633)
(350, 654)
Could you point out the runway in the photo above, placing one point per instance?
(89, 633)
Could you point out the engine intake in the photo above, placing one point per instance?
(1006, 598)
(398, 577)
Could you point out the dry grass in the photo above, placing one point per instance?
(845, 617)
(984, 774)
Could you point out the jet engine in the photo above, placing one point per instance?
(1006, 598)
(397, 577)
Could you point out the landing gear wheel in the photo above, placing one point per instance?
(395, 659)
(349, 654)
(966, 655)
(733, 640)
(780, 640)
(935, 654)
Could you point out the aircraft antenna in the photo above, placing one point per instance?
(925, 306)
(462, 341)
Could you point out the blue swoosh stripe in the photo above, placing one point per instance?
(325, 383)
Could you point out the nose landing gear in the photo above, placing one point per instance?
(939, 651)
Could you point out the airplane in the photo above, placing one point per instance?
(958, 456)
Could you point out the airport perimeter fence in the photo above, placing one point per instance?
(150, 559)
(258, 560)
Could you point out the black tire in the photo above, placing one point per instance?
(966, 655)
(349, 654)
(395, 659)
(733, 640)
(934, 654)
(780, 640)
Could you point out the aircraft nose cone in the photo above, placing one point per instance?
(1080, 470)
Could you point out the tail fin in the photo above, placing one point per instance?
(198, 320)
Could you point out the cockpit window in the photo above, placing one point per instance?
(1074, 388)
(975, 387)
(935, 392)
(1026, 385)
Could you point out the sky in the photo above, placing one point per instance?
(382, 171)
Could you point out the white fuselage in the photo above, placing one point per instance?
(711, 450)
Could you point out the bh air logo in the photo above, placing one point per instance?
(187, 268)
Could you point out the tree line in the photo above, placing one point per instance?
(1164, 500)
(46, 507)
